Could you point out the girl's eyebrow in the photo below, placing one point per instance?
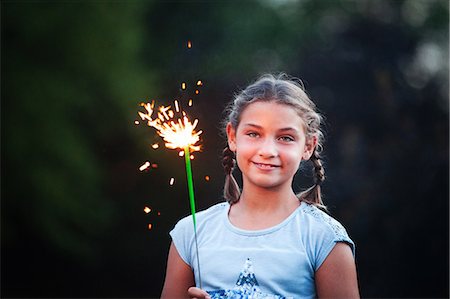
(252, 125)
(287, 129)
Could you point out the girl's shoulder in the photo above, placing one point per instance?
(210, 213)
(323, 221)
(214, 211)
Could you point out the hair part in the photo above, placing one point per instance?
(284, 90)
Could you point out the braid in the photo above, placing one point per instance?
(231, 190)
(228, 161)
(318, 168)
(313, 195)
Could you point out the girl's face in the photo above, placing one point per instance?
(269, 143)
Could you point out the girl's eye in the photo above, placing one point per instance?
(252, 134)
(286, 138)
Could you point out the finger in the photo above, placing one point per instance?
(198, 293)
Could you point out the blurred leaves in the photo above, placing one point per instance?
(69, 82)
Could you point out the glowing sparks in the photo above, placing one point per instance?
(177, 132)
(190, 103)
(150, 226)
(199, 83)
(207, 178)
(136, 122)
(183, 86)
(144, 166)
(197, 91)
(154, 165)
(155, 145)
(189, 44)
(147, 210)
(147, 116)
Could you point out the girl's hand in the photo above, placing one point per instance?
(196, 293)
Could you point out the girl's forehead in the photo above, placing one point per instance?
(271, 113)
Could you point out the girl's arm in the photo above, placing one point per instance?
(179, 276)
(336, 277)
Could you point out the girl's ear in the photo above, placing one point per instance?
(231, 134)
(310, 145)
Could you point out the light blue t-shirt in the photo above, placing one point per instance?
(278, 262)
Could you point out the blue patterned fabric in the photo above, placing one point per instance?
(246, 287)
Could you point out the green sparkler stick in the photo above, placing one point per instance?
(190, 181)
(187, 159)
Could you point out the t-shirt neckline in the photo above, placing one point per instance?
(258, 232)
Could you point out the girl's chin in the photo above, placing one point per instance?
(265, 184)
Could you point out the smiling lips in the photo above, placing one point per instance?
(265, 166)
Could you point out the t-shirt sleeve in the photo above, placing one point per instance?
(330, 233)
(181, 236)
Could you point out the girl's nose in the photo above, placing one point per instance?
(268, 149)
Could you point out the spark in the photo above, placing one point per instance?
(199, 83)
(159, 213)
(197, 91)
(154, 165)
(177, 132)
(155, 145)
(190, 103)
(144, 166)
(136, 122)
(163, 111)
(189, 44)
(183, 85)
(172, 181)
(150, 226)
(207, 178)
(147, 210)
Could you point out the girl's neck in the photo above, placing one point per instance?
(258, 209)
(268, 200)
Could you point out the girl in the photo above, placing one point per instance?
(265, 241)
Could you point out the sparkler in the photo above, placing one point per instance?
(177, 133)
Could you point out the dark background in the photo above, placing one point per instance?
(74, 72)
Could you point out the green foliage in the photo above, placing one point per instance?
(69, 84)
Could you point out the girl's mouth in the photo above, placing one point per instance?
(265, 166)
